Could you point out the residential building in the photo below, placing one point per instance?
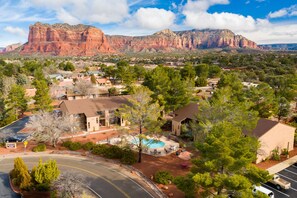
(183, 116)
(272, 135)
(91, 114)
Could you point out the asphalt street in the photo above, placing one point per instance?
(16, 126)
(106, 181)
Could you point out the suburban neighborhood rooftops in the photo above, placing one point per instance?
(263, 126)
(188, 111)
(90, 107)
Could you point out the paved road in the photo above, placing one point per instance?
(16, 126)
(107, 181)
(289, 174)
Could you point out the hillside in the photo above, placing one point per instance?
(82, 40)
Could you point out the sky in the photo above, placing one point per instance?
(263, 21)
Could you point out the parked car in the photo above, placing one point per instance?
(16, 138)
(280, 183)
(262, 190)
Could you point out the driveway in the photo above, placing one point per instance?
(106, 179)
(15, 127)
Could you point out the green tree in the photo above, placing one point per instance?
(16, 101)
(21, 174)
(45, 173)
(263, 99)
(283, 108)
(42, 98)
(140, 72)
(188, 72)
(142, 113)
(158, 82)
(179, 93)
(214, 71)
(220, 108)
(202, 70)
(225, 163)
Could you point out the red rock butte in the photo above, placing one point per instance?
(82, 40)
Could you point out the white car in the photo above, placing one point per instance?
(261, 189)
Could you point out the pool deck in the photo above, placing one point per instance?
(169, 147)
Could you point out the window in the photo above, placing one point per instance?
(89, 125)
(97, 120)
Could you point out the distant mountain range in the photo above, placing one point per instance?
(10, 48)
(83, 40)
(281, 46)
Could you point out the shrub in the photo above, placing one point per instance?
(88, 146)
(163, 177)
(99, 149)
(66, 144)
(285, 151)
(128, 156)
(275, 154)
(113, 152)
(74, 146)
(187, 185)
(44, 187)
(39, 148)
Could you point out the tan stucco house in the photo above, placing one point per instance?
(183, 116)
(94, 113)
(272, 135)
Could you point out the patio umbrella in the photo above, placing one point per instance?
(185, 155)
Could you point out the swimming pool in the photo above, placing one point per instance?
(150, 143)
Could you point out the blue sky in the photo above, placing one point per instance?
(263, 21)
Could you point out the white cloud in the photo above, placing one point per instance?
(290, 11)
(151, 19)
(90, 11)
(274, 33)
(66, 17)
(15, 30)
(197, 17)
(259, 30)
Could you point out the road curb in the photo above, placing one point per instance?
(105, 162)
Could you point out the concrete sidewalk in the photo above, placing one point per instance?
(282, 165)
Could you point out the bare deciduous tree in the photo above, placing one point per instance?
(83, 87)
(49, 127)
(70, 185)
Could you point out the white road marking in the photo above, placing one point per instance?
(290, 171)
(294, 189)
(276, 190)
(287, 177)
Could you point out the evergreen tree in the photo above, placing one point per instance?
(21, 174)
(42, 98)
(142, 113)
(45, 173)
(283, 108)
(188, 72)
(263, 99)
(16, 102)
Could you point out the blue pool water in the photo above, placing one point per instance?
(150, 143)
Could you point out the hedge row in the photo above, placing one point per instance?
(125, 155)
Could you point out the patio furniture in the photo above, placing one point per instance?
(166, 151)
(155, 152)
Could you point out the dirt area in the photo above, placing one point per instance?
(269, 163)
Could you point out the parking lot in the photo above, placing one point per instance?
(289, 174)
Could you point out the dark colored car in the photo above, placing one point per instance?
(16, 138)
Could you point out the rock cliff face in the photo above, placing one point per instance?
(168, 40)
(66, 40)
(11, 47)
(82, 40)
